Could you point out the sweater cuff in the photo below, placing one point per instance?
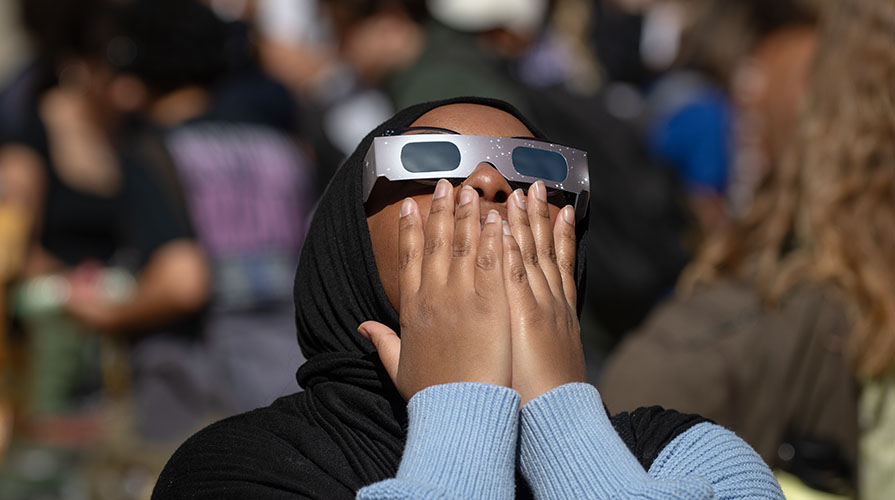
(569, 449)
(462, 438)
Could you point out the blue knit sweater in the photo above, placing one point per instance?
(462, 444)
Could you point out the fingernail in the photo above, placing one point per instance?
(568, 215)
(506, 229)
(540, 191)
(441, 190)
(519, 198)
(406, 207)
(493, 217)
(363, 331)
(466, 195)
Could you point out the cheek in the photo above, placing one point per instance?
(383, 227)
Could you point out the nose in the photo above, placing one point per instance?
(488, 182)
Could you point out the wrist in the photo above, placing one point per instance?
(462, 437)
(568, 425)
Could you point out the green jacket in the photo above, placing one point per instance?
(774, 375)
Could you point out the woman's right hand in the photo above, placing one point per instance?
(455, 321)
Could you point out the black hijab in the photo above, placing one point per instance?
(347, 428)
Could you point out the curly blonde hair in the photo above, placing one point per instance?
(827, 213)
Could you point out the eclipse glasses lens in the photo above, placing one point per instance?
(444, 157)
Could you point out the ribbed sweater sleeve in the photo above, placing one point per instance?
(569, 449)
(733, 468)
(461, 444)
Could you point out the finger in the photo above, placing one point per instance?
(517, 216)
(387, 344)
(542, 231)
(410, 248)
(518, 289)
(439, 234)
(566, 245)
(489, 259)
(467, 227)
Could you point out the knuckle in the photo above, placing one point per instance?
(425, 311)
(530, 258)
(566, 266)
(560, 310)
(407, 257)
(486, 261)
(433, 244)
(465, 212)
(518, 273)
(549, 253)
(541, 210)
(534, 321)
(462, 247)
(439, 207)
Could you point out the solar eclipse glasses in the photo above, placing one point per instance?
(426, 154)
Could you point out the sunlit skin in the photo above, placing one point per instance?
(483, 277)
(493, 189)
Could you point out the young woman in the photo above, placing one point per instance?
(481, 280)
(88, 207)
(792, 308)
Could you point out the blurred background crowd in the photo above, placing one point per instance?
(160, 161)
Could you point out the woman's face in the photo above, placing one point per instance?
(493, 189)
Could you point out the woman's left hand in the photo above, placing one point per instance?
(539, 272)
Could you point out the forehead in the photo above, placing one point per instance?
(474, 119)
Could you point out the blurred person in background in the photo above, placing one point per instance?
(688, 116)
(14, 54)
(84, 203)
(691, 115)
(248, 190)
(767, 89)
(785, 327)
(398, 46)
(13, 45)
(678, 69)
(296, 46)
(98, 225)
(13, 237)
(285, 72)
(663, 102)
